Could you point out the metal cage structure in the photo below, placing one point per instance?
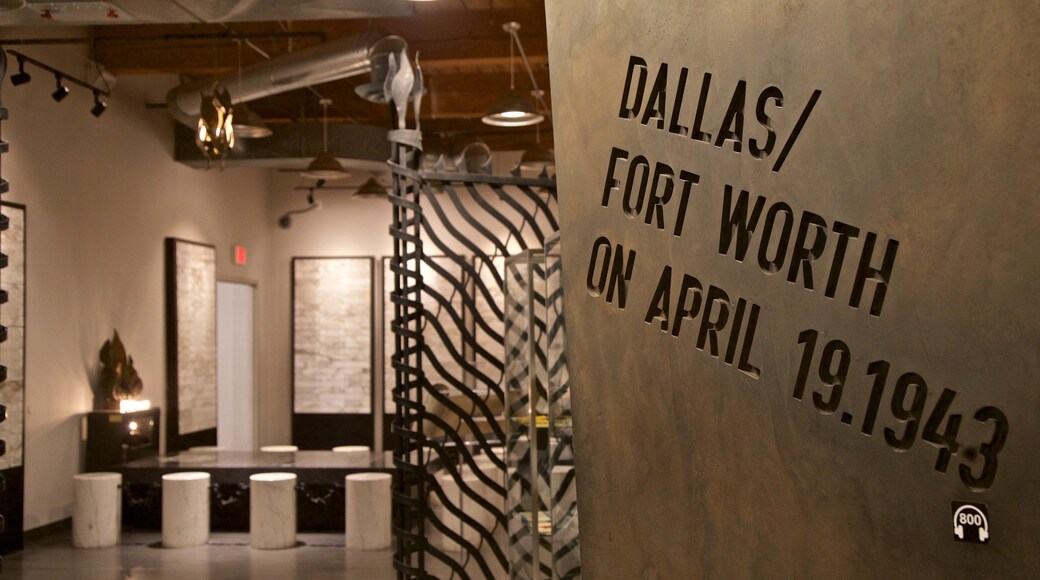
(452, 234)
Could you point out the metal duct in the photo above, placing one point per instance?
(331, 61)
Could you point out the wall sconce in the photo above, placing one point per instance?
(513, 110)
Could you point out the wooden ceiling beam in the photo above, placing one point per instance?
(202, 48)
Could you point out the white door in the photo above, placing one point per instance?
(236, 395)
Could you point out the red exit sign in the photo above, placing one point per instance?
(239, 255)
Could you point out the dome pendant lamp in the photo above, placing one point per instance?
(325, 166)
(513, 110)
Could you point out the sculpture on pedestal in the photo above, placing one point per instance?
(119, 379)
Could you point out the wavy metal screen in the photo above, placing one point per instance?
(452, 234)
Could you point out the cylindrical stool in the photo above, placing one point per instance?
(368, 511)
(96, 509)
(356, 455)
(279, 448)
(272, 510)
(185, 509)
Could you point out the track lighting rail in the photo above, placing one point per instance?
(24, 58)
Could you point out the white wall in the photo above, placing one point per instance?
(101, 194)
(344, 225)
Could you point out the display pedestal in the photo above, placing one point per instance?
(113, 437)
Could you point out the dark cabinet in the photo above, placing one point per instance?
(113, 437)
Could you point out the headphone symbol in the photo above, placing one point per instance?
(968, 515)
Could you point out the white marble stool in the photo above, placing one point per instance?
(96, 509)
(279, 448)
(272, 510)
(356, 455)
(368, 511)
(185, 509)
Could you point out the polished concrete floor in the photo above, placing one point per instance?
(226, 557)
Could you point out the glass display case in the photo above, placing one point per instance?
(527, 408)
(563, 492)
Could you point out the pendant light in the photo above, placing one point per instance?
(371, 188)
(513, 110)
(325, 166)
(248, 125)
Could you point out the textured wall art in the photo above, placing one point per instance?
(192, 290)
(12, 352)
(332, 335)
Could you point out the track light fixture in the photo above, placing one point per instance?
(99, 106)
(61, 92)
(61, 81)
(21, 77)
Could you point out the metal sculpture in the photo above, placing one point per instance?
(119, 379)
(456, 426)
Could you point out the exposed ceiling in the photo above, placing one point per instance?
(464, 54)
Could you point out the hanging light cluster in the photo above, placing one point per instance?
(216, 133)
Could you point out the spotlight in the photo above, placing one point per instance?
(61, 92)
(22, 77)
(99, 106)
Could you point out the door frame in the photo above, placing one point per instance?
(244, 281)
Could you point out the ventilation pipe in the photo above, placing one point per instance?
(339, 59)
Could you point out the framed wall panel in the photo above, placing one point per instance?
(12, 389)
(333, 356)
(191, 342)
